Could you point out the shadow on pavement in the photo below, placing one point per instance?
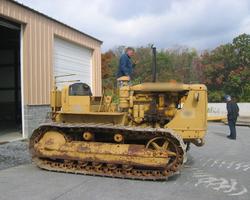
(221, 134)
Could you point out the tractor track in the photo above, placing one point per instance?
(104, 169)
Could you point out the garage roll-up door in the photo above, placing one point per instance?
(70, 58)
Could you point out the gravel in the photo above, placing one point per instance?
(13, 154)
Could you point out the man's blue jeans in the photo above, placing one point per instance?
(232, 124)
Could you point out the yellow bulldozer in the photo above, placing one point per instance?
(144, 135)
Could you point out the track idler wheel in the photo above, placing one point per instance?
(52, 140)
(162, 144)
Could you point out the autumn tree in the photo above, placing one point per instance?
(226, 69)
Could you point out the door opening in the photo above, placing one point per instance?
(10, 81)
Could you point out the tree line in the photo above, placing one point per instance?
(224, 69)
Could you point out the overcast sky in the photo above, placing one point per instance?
(202, 24)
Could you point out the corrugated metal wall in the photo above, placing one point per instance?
(38, 39)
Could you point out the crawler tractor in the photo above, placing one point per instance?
(144, 135)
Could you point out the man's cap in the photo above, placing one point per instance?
(228, 97)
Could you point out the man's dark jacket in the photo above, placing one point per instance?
(125, 66)
(232, 110)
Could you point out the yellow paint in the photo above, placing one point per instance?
(74, 104)
(216, 118)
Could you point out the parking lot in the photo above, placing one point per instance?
(218, 170)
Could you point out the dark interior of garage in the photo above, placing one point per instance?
(10, 78)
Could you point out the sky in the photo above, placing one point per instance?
(200, 24)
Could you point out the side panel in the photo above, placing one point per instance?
(191, 121)
(93, 117)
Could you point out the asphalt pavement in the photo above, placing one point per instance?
(218, 170)
(13, 154)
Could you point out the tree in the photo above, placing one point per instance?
(241, 45)
(226, 69)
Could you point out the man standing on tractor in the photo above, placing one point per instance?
(126, 64)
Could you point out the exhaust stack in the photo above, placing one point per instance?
(154, 69)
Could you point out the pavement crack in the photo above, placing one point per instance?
(69, 190)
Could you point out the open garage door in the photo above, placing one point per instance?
(10, 80)
(70, 58)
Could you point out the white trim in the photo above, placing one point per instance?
(24, 134)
